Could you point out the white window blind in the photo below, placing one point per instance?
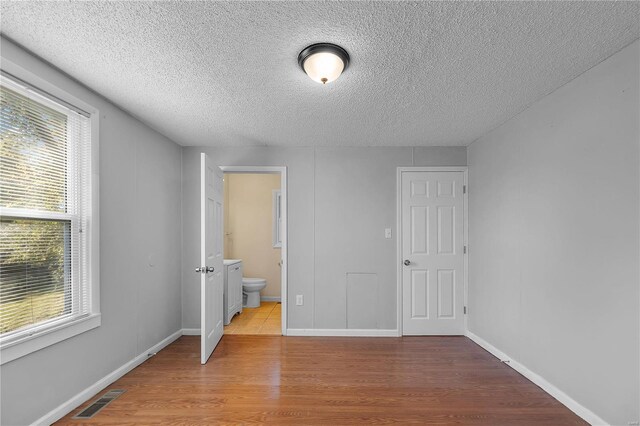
(45, 207)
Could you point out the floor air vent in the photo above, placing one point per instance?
(99, 404)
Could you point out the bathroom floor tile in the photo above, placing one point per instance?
(267, 319)
(267, 306)
(248, 330)
(241, 321)
(256, 322)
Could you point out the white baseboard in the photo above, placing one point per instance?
(586, 414)
(190, 331)
(350, 332)
(270, 298)
(65, 408)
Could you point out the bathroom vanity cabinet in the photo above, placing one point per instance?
(232, 288)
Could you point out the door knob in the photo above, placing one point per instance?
(200, 269)
(209, 269)
(407, 262)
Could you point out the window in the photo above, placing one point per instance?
(277, 218)
(46, 226)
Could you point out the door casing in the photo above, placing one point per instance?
(283, 250)
(399, 258)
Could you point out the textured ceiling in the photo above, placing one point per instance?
(225, 73)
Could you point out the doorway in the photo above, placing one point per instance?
(432, 250)
(255, 238)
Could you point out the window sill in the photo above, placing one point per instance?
(47, 337)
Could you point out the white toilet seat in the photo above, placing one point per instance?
(254, 282)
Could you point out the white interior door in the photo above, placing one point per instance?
(432, 205)
(211, 257)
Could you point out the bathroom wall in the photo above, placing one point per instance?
(340, 201)
(248, 227)
(554, 246)
(140, 197)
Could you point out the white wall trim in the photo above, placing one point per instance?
(61, 329)
(70, 405)
(190, 331)
(47, 336)
(586, 414)
(327, 332)
(270, 298)
(284, 274)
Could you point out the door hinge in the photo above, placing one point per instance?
(464, 250)
(465, 310)
(464, 189)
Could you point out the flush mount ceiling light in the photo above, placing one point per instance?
(323, 62)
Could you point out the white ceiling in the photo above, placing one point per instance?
(226, 73)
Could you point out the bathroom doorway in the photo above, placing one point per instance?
(255, 249)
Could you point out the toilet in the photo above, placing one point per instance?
(251, 287)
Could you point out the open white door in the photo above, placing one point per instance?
(432, 206)
(211, 256)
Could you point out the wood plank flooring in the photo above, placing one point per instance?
(320, 381)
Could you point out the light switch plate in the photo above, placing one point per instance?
(387, 232)
(299, 300)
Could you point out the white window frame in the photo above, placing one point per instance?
(56, 330)
(277, 218)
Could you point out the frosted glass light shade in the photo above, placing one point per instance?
(323, 62)
(323, 67)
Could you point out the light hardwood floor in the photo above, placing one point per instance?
(263, 320)
(329, 381)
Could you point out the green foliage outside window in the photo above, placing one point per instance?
(34, 253)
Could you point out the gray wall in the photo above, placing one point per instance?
(340, 201)
(140, 214)
(554, 234)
